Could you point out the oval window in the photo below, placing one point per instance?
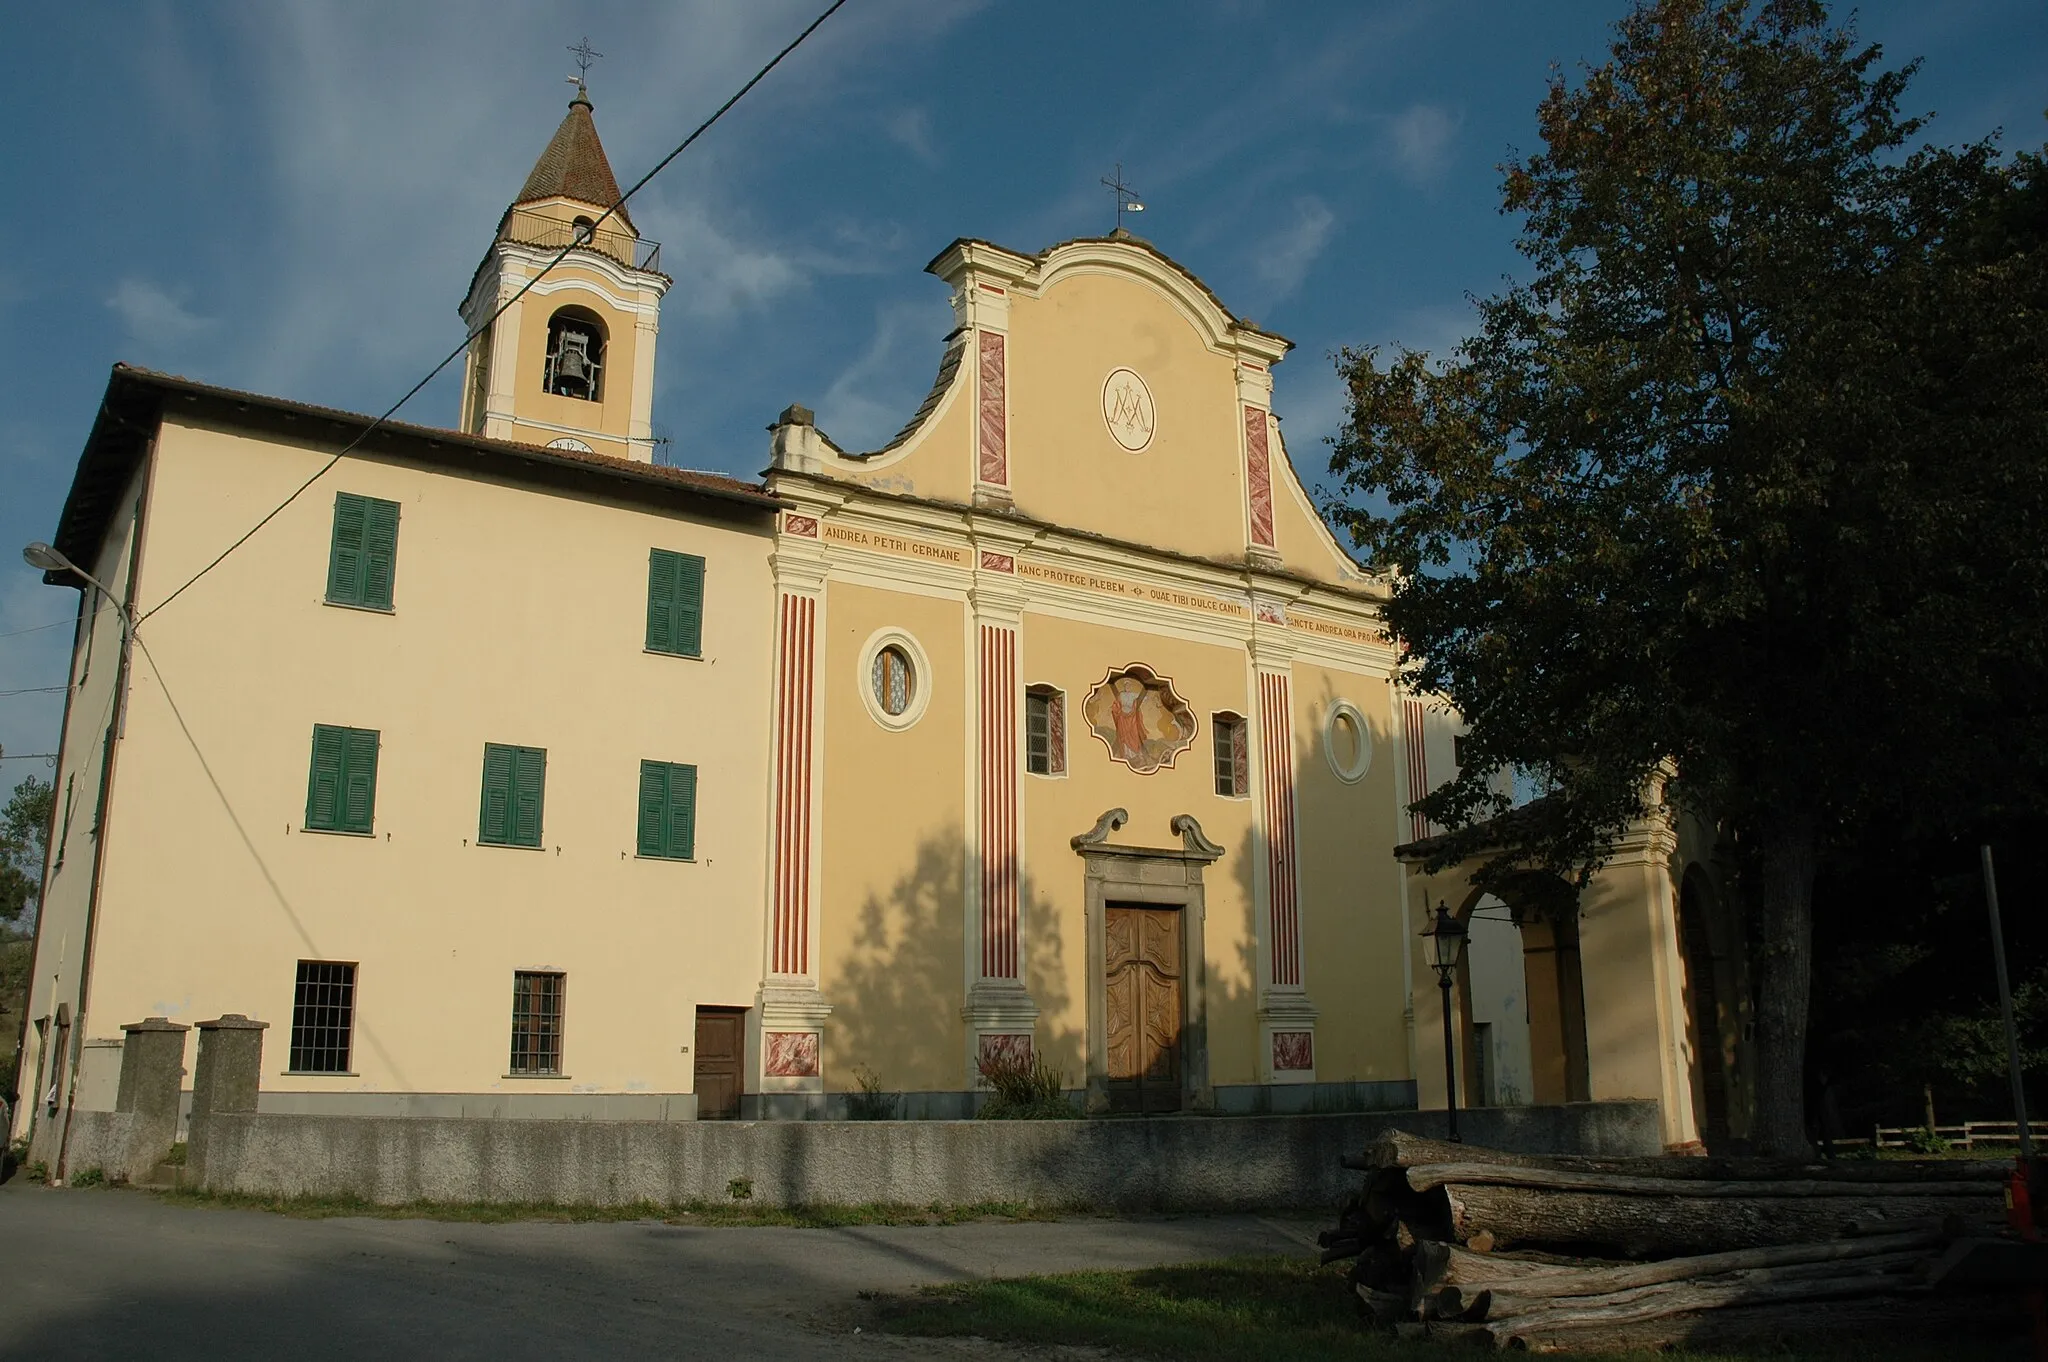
(1347, 743)
(894, 681)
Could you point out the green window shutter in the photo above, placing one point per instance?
(345, 554)
(359, 780)
(689, 607)
(681, 823)
(363, 557)
(668, 810)
(653, 838)
(495, 820)
(529, 775)
(661, 597)
(380, 551)
(323, 792)
(675, 603)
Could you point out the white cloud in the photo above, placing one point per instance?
(1420, 135)
(1286, 257)
(873, 396)
(152, 317)
(911, 129)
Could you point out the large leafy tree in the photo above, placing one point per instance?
(1747, 477)
(24, 835)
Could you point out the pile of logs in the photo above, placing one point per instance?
(1554, 1254)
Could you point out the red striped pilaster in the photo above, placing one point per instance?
(795, 652)
(1418, 763)
(1276, 741)
(998, 813)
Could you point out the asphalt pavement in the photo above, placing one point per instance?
(117, 1274)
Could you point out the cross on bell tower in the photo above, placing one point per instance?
(585, 55)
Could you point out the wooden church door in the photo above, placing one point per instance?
(1144, 1011)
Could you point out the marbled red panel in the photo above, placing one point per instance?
(997, 562)
(995, 452)
(1294, 1051)
(804, 525)
(1015, 1049)
(1259, 468)
(792, 1054)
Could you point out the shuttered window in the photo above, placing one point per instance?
(675, 603)
(513, 781)
(341, 794)
(363, 558)
(668, 810)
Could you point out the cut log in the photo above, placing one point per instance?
(1633, 1226)
(1888, 1271)
(1951, 1319)
(1469, 1271)
(1399, 1149)
(1463, 1266)
(1553, 1318)
(1383, 1307)
(1423, 1177)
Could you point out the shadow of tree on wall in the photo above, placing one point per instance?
(902, 981)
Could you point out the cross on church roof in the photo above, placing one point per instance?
(585, 55)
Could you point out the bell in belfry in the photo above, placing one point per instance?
(572, 364)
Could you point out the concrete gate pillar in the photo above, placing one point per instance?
(152, 1067)
(226, 1078)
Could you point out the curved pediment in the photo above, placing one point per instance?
(1100, 386)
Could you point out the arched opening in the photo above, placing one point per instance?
(1495, 979)
(575, 363)
(1529, 923)
(1705, 1033)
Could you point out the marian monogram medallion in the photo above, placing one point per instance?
(1127, 409)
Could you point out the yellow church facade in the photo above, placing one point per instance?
(505, 772)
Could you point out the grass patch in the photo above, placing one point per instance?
(690, 1213)
(1250, 1307)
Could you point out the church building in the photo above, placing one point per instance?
(506, 771)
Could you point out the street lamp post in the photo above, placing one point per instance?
(41, 555)
(1447, 941)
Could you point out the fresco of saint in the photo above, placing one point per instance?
(1139, 719)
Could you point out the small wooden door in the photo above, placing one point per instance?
(721, 1056)
(1144, 1012)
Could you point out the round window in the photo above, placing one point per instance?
(895, 681)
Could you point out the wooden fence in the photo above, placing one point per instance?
(1966, 1135)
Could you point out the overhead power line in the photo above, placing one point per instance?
(454, 354)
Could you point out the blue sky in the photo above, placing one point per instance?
(290, 197)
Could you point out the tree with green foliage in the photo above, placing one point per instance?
(24, 837)
(1750, 477)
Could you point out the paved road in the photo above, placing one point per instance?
(117, 1274)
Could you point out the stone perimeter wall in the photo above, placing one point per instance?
(1162, 1163)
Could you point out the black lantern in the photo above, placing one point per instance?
(1447, 942)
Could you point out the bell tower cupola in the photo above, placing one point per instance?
(571, 364)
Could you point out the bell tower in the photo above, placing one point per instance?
(571, 364)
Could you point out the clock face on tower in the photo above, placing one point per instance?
(572, 443)
(1127, 409)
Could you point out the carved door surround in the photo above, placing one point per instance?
(1167, 877)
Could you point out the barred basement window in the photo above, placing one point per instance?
(323, 1017)
(536, 1022)
(1233, 756)
(1045, 731)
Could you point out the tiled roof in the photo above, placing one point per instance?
(574, 164)
(137, 398)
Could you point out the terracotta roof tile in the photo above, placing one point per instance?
(574, 165)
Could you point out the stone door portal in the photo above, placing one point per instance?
(1145, 1006)
(720, 1055)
